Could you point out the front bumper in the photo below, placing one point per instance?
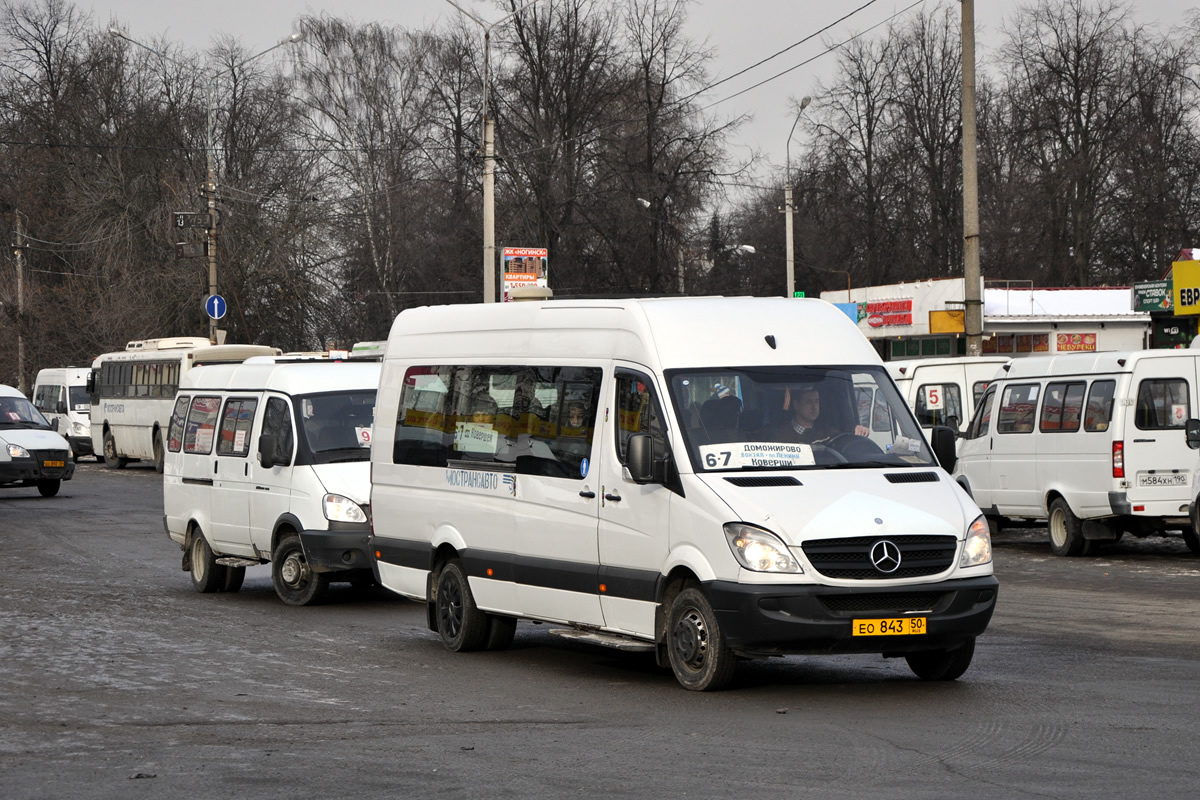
(81, 445)
(31, 470)
(342, 548)
(775, 620)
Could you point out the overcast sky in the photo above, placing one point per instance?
(741, 32)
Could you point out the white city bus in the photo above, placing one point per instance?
(133, 392)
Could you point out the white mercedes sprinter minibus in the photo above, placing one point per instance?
(269, 461)
(1093, 443)
(684, 476)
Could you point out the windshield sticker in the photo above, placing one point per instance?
(903, 444)
(736, 455)
(364, 436)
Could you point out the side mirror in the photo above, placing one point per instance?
(640, 458)
(268, 452)
(942, 440)
(1191, 433)
(91, 382)
(953, 422)
(61, 407)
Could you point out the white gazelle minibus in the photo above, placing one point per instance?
(684, 476)
(268, 461)
(1093, 443)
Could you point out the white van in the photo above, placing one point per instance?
(269, 461)
(61, 395)
(1094, 443)
(31, 454)
(944, 391)
(632, 470)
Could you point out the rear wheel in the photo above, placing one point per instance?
(942, 665)
(158, 453)
(700, 658)
(1065, 530)
(48, 487)
(462, 626)
(111, 459)
(1193, 541)
(295, 582)
(207, 575)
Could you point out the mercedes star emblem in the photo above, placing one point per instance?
(885, 556)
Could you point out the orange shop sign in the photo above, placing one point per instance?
(1076, 342)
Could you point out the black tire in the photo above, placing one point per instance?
(207, 575)
(700, 658)
(1064, 530)
(48, 487)
(462, 626)
(501, 631)
(234, 576)
(1192, 540)
(159, 455)
(942, 665)
(111, 459)
(295, 583)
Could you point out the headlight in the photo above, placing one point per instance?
(342, 509)
(978, 547)
(78, 429)
(759, 550)
(16, 451)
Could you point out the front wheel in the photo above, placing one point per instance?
(48, 488)
(158, 453)
(295, 582)
(700, 658)
(942, 665)
(1065, 530)
(207, 575)
(462, 626)
(111, 459)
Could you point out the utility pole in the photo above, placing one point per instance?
(789, 207)
(210, 188)
(19, 255)
(973, 312)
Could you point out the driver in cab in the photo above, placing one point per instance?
(804, 424)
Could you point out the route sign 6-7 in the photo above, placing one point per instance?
(190, 219)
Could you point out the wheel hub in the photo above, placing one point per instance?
(690, 639)
(294, 570)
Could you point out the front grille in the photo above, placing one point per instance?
(769, 480)
(40, 457)
(920, 555)
(912, 477)
(883, 601)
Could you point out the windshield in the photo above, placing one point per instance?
(756, 418)
(17, 412)
(80, 401)
(336, 426)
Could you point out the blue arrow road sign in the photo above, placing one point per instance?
(216, 306)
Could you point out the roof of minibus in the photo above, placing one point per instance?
(292, 377)
(72, 376)
(905, 368)
(675, 332)
(1087, 363)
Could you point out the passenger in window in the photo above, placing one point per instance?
(804, 424)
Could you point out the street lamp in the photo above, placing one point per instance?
(489, 156)
(210, 188)
(787, 203)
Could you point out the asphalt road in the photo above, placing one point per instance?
(118, 681)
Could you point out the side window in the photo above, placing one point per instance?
(175, 429)
(1018, 406)
(537, 420)
(235, 426)
(201, 425)
(977, 390)
(638, 411)
(1161, 403)
(277, 422)
(1099, 406)
(937, 402)
(1061, 407)
(983, 416)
